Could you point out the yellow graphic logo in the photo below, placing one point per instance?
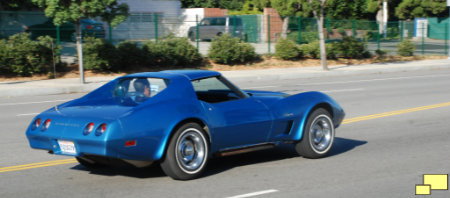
(432, 182)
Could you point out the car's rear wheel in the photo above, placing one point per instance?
(318, 135)
(187, 153)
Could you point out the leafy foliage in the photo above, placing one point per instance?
(224, 4)
(229, 50)
(406, 48)
(350, 47)
(287, 49)
(99, 55)
(22, 56)
(172, 52)
(115, 13)
(347, 9)
(129, 56)
(71, 11)
(409, 9)
(313, 49)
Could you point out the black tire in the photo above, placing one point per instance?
(187, 153)
(89, 163)
(318, 135)
(191, 36)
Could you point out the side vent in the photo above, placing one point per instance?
(289, 127)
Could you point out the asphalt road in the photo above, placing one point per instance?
(379, 157)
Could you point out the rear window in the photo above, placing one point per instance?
(133, 91)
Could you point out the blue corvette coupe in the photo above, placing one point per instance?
(180, 119)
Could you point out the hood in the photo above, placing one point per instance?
(265, 93)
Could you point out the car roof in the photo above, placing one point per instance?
(189, 74)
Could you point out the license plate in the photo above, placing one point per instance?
(67, 147)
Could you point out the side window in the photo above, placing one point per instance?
(214, 90)
(221, 21)
(133, 91)
(206, 22)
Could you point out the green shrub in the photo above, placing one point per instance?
(313, 50)
(129, 56)
(228, 50)
(406, 48)
(306, 36)
(4, 67)
(22, 56)
(99, 55)
(172, 52)
(287, 50)
(350, 47)
(381, 53)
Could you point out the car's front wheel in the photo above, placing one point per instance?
(187, 153)
(318, 135)
(191, 36)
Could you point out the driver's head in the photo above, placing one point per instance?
(140, 84)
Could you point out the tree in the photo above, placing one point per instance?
(409, 9)
(73, 11)
(302, 8)
(15, 5)
(288, 8)
(224, 4)
(318, 7)
(347, 9)
(114, 15)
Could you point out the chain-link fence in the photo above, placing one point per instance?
(430, 35)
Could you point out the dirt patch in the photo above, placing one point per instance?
(264, 63)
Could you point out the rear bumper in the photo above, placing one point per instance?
(98, 146)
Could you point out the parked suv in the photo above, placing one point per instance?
(210, 27)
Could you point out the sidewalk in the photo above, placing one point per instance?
(72, 85)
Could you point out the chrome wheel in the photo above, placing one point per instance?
(320, 133)
(191, 150)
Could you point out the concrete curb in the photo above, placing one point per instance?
(72, 85)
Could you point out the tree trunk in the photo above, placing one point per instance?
(319, 18)
(79, 50)
(285, 27)
(323, 53)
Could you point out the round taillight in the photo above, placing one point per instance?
(46, 125)
(100, 129)
(88, 129)
(36, 124)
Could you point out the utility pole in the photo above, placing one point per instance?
(448, 19)
(385, 18)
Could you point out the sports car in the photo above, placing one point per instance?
(180, 119)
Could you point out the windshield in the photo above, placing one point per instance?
(133, 91)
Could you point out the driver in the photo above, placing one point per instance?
(142, 86)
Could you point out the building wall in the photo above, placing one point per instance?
(276, 24)
(140, 25)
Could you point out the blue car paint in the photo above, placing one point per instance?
(262, 117)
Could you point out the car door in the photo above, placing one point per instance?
(204, 28)
(234, 118)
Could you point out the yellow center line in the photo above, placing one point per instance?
(346, 121)
(392, 113)
(36, 165)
